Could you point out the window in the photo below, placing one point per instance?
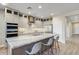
(25, 16)
(16, 13)
(20, 15)
(9, 11)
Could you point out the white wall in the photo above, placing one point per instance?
(69, 30)
(59, 27)
(75, 28)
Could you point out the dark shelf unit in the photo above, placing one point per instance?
(11, 30)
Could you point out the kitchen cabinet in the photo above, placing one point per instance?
(11, 16)
(23, 21)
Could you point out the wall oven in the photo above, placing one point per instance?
(11, 30)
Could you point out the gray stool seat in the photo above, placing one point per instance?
(35, 49)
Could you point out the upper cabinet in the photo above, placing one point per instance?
(11, 16)
(15, 16)
(23, 20)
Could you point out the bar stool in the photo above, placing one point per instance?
(35, 49)
(49, 45)
(56, 44)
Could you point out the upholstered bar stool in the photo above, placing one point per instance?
(56, 47)
(49, 45)
(35, 49)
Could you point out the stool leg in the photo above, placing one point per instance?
(58, 47)
(54, 46)
(52, 50)
(48, 51)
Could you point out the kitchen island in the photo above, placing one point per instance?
(18, 45)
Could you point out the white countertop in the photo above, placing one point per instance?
(15, 42)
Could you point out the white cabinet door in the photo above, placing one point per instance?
(11, 18)
(23, 22)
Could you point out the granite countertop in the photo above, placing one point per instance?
(15, 42)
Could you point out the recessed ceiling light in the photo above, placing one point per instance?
(4, 3)
(52, 14)
(39, 7)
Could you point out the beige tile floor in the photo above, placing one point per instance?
(3, 51)
(70, 48)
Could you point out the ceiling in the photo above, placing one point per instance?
(47, 8)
